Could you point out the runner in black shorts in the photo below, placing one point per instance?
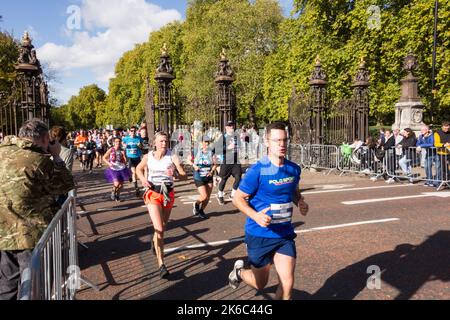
(227, 150)
(133, 162)
(204, 165)
(133, 146)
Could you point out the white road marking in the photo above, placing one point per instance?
(332, 186)
(356, 189)
(425, 194)
(240, 239)
(102, 210)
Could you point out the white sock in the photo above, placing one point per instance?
(220, 193)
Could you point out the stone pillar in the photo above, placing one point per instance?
(409, 109)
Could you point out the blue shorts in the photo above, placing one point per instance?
(261, 250)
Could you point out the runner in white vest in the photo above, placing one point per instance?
(160, 196)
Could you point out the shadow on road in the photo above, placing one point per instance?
(190, 287)
(407, 268)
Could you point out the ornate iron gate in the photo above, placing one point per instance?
(29, 94)
(317, 119)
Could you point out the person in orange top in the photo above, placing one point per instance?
(80, 143)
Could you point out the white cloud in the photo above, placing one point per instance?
(111, 28)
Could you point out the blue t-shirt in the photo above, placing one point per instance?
(203, 160)
(132, 148)
(271, 186)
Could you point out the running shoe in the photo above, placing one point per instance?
(201, 214)
(234, 279)
(221, 200)
(195, 209)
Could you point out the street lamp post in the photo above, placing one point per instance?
(433, 68)
(164, 106)
(225, 98)
(317, 93)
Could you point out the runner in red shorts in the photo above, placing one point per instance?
(159, 198)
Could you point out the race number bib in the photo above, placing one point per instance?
(282, 212)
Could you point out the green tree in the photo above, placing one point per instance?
(339, 32)
(9, 53)
(247, 30)
(125, 103)
(81, 110)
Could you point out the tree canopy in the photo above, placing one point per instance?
(9, 52)
(82, 110)
(271, 54)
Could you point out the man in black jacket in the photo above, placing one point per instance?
(227, 151)
(408, 145)
(389, 153)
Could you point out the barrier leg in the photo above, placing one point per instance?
(89, 284)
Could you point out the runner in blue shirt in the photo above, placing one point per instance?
(132, 145)
(204, 165)
(267, 195)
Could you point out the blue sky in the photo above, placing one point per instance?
(81, 40)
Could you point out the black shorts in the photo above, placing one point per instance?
(133, 162)
(227, 170)
(203, 182)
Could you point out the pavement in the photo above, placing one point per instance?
(394, 247)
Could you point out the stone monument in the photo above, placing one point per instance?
(409, 109)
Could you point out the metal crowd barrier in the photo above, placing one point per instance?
(430, 165)
(294, 153)
(414, 164)
(316, 156)
(361, 160)
(53, 273)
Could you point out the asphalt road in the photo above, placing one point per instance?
(406, 241)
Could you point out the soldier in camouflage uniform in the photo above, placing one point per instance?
(32, 175)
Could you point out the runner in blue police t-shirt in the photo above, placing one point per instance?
(271, 187)
(132, 145)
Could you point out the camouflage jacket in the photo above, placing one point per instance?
(29, 184)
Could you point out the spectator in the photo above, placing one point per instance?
(29, 183)
(425, 145)
(409, 153)
(398, 136)
(442, 142)
(368, 155)
(382, 137)
(388, 146)
(59, 134)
